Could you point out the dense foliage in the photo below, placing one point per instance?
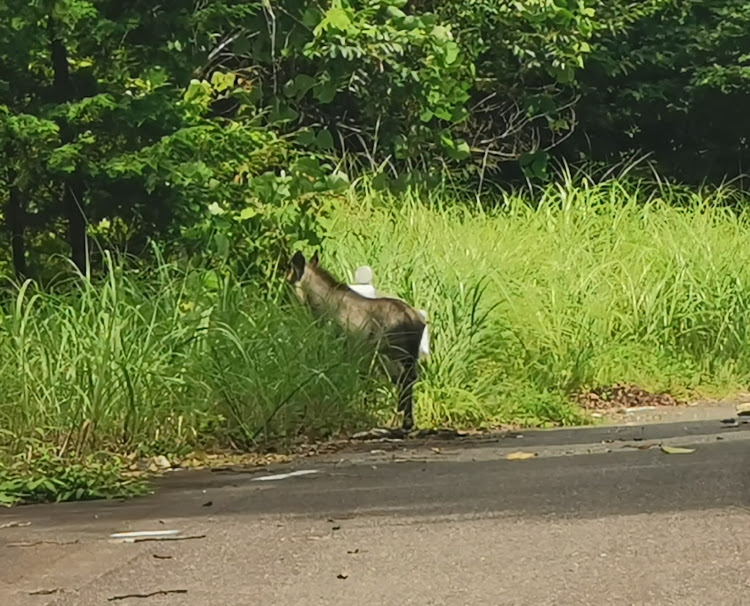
(231, 125)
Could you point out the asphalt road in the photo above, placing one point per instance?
(591, 520)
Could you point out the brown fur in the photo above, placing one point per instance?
(392, 324)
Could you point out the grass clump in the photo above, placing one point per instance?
(164, 361)
(532, 300)
(39, 473)
(177, 358)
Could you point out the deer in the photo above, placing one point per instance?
(391, 325)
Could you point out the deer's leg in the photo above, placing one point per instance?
(405, 384)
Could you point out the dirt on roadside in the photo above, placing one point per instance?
(624, 396)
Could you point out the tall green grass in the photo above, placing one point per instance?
(167, 360)
(529, 299)
(580, 286)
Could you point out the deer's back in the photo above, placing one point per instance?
(393, 320)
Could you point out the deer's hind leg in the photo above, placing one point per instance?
(404, 374)
(405, 384)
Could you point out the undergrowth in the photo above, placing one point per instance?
(530, 300)
(39, 473)
(533, 299)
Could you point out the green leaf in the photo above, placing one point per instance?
(462, 150)
(282, 112)
(306, 137)
(400, 184)
(222, 81)
(458, 150)
(410, 23)
(65, 158)
(441, 33)
(338, 18)
(534, 164)
(338, 181)
(380, 182)
(311, 17)
(9, 498)
(308, 166)
(157, 76)
(211, 280)
(302, 84)
(198, 91)
(444, 114)
(324, 140)
(451, 52)
(290, 89)
(394, 12)
(325, 91)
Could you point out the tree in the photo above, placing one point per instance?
(675, 84)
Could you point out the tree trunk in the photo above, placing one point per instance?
(73, 185)
(15, 220)
(77, 237)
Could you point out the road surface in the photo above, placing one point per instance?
(592, 519)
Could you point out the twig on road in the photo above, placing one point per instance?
(33, 543)
(146, 595)
(168, 539)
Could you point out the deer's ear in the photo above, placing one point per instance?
(314, 260)
(298, 265)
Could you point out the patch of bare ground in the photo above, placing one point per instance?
(619, 397)
(381, 439)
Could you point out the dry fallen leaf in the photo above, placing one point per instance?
(161, 462)
(520, 455)
(676, 450)
(15, 524)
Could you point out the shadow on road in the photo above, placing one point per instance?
(584, 486)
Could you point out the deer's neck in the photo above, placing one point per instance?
(322, 296)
